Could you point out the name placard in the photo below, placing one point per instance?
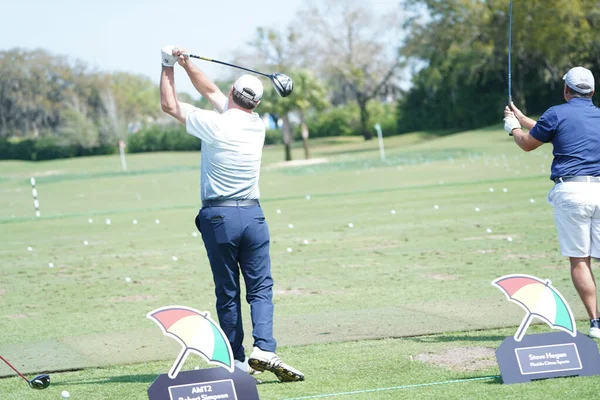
(213, 390)
(552, 358)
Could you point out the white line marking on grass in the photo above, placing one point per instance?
(320, 396)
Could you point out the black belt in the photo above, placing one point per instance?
(230, 203)
(577, 179)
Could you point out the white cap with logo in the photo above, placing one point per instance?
(580, 80)
(249, 86)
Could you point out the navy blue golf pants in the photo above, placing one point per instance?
(237, 239)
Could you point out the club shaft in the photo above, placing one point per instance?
(229, 65)
(510, 18)
(14, 369)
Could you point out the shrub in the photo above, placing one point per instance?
(162, 138)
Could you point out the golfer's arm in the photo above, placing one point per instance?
(168, 96)
(527, 122)
(524, 140)
(206, 87)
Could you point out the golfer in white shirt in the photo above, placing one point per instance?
(231, 221)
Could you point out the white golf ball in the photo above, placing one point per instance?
(30, 248)
(350, 225)
(509, 239)
(51, 265)
(127, 279)
(505, 190)
(305, 242)
(436, 207)
(85, 243)
(156, 221)
(441, 182)
(289, 249)
(308, 197)
(476, 209)
(488, 230)
(290, 226)
(64, 394)
(90, 220)
(135, 221)
(531, 201)
(491, 190)
(37, 214)
(107, 221)
(393, 212)
(278, 211)
(195, 234)
(174, 258)
(196, 367)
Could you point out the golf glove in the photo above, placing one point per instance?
(511, 123)
(168, 59)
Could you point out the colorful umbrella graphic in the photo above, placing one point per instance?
(539, 299)
(197, 333)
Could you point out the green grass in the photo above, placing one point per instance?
(351, 305)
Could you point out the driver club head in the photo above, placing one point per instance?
(40, 382)
(283, 84)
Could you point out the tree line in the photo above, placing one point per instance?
(421, 65)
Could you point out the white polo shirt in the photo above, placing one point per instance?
(232, 145)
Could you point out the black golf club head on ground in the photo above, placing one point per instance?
(283, 84)
(40, 382)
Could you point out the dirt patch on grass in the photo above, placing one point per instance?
(492, 237)
(18, 316)
(523, 257)
(486, 251)
(462, 358)
(297, 163)
(2, 292)
(441, 277)
(133, 299)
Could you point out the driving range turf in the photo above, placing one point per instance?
(382, 269)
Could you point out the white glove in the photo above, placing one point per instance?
(168, 59)
(511, 123)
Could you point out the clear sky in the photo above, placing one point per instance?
(113, 35)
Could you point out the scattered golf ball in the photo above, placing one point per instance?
(156, 221)
(531, 201)
(64, 394)
(51, 265)
(289, 249)
(37, 214)
(350, 225)
(85, 242)
(305, 242)
(127, 279)
(509, 239)
(278, 211)
(505, 190)
(290, 226)
(30, 248)
(90, 220)
(476, 209)
(135, 221)
(308, 197)
(196, 367)
(195, 234)
(436, 207)
(491, 190)
(174, 258)
(488, 230)
(441, 182)
(107, 221)
(393, 212)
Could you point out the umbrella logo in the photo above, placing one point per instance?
(197, 333)
(539, 299)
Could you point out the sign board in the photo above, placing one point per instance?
(205, 384)
(547, 355)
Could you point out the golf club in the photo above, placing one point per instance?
(282, 83)
(39, 382)
(510, 18)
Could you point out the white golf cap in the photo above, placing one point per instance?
(249, 86)
(580, 80)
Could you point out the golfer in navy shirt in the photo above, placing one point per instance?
(231, 221)
(573, 129)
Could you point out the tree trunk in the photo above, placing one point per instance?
(287, 137)
(364, 120)
(304, 130)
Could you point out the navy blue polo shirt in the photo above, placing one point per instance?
(574, 130)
